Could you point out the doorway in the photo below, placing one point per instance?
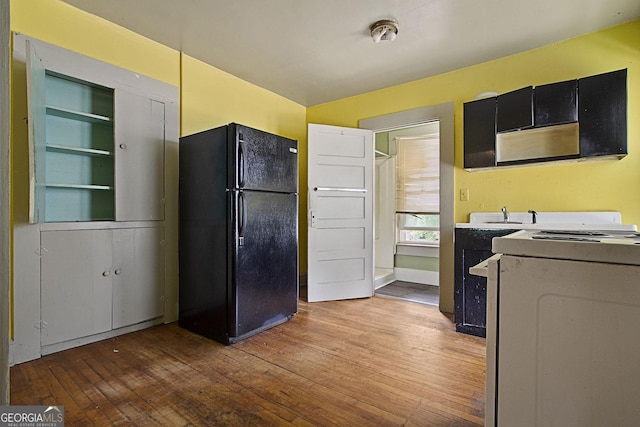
(443, 114)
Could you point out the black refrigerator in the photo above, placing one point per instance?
(238, 238)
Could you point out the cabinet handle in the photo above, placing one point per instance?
(123, 146)
(118, 271)
(105, 273)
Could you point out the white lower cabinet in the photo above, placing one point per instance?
(138, 280)
(93, 281)
(76, 284)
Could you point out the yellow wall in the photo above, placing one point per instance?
(60, 24)
(606, 185)
(209, 97)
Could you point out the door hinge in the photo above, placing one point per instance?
(41, 251)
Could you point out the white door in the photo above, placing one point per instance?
(340, 217)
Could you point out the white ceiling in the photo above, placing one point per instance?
(315, 51)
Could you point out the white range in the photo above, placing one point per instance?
(563, 311)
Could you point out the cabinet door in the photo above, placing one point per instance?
(480, 133)
(139, 152)
(37, 133)
(556, 103)
(602, 112)
(75, 284)
(138, 275)
(470, 292)
(515, 110)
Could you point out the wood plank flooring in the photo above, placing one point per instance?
(368, 362)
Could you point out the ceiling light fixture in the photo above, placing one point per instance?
(386, 29)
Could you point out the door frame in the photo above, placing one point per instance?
(444, 113)
(5, 200)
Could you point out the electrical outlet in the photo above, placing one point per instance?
(464, 194)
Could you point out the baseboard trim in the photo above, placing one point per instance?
(54, 348)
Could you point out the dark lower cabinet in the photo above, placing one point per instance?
(472, 245)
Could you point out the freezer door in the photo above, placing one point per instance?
(262, 161)
(264, 280)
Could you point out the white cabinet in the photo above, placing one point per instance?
(98, 147)
(138, 275)
(139, 157)
(76, 284)
(95, 177)
(93, 281)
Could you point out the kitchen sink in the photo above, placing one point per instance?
(504, 222)
(607, 220)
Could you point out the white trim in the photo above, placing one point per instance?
(445, 114)
(384, 276)
(54, 348)
(418, 250)
(417, 276)
(5, 199)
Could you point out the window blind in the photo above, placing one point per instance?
(418, 175)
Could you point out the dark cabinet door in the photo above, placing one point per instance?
(556, 103)
(602, 112)
(472, 246)
(480, 133)
(515, 110)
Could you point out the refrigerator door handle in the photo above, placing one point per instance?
(240, 165)
(242, 218)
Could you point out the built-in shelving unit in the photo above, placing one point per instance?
(79, 159)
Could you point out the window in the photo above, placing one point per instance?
(419, 229)
(418, 189)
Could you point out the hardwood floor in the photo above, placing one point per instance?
(376, 361)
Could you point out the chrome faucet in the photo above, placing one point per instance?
(534, 216)
(505, 214)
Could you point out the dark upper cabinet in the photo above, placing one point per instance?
(515, 121)
(556, 103)
(602, 113)
(480, 133)
(515, 110)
